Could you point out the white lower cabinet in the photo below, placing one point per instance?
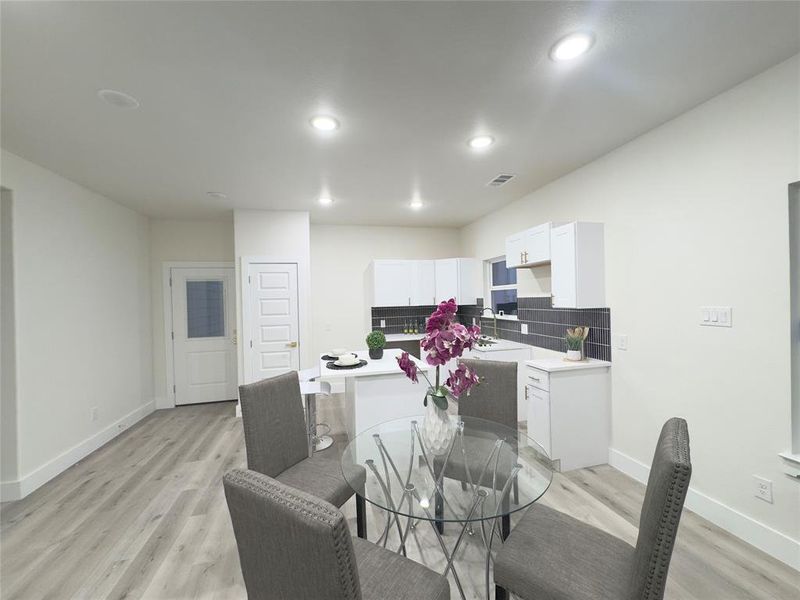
(569, 412)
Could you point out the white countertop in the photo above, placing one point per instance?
(552, 365)
(385, 366)
(403, 337)
(501, 345)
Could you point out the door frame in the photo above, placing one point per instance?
(303, 324)
(168, 400)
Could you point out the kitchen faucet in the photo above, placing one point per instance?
(494, 317)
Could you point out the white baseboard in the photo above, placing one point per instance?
(763, 537)
(15, 490)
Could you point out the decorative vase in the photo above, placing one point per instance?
(575, 355)
(376, 353)
(438, 430)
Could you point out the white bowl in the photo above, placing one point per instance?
(338, 352)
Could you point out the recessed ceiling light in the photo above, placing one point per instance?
(571, 46)
(217, 195)
(118, 99)
(325, 200)
(416, 204)
(324, 123)
(479, 142)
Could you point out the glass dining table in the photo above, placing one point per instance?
(486, 473)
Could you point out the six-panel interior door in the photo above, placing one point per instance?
(272, 320)
(204, 345)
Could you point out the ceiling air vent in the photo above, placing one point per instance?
(501, 179)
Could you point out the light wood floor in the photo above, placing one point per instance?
(145, 517)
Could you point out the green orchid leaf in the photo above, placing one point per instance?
(440, 401)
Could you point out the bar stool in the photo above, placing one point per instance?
(309, 388)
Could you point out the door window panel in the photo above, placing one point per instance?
(205, 309)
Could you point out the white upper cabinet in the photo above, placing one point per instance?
(529, 247)
(578, 265)
(392, 282)
(458, 278)
(423, 282)
(514, 244)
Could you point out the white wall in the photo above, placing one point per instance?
(340, 256)
(9, 464)
(695, 214)
(83, 326)
(280, 236)
(180, 240)
(794, 239)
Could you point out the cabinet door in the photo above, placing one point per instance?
(423, 274)
(392, 280)
(536, 245)
(447, 279)
(539, 418)
(514, 249)
(470, 280)
(562, 248)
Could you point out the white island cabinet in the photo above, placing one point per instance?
(377, 392)
(569, 410)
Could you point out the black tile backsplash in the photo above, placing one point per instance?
(397, 317)
(547, 326)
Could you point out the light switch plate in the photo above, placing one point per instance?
(716, 316)
(523, 328)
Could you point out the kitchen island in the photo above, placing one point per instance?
(377, 392)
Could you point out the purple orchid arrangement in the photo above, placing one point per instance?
(445, 339)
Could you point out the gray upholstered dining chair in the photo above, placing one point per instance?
(294, 546)
(551, 556)
(495, 399)
(275, 438)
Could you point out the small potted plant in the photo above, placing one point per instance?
(375, 342)
(575, 338)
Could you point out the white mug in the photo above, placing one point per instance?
(348, 359)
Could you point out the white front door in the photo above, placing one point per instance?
(272, 321)
(204, 343)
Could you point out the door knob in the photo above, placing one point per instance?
(292, 344)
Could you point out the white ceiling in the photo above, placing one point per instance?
(227, 89)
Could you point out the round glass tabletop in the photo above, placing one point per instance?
(486, 471)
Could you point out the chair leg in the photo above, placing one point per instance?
(500, 593)
(505, 520)
(439, 509)
(516, 491)
(361, 517)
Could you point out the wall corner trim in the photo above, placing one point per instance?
(16, 490)
(755, 533)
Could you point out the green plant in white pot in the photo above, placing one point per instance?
(376, 342)
(575, 339)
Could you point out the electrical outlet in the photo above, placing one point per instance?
(523, 328)
(762, 489)
(620, 341)
(93, 413)
(383, 322)
(473, 321)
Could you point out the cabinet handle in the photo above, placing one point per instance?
(534, 378)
